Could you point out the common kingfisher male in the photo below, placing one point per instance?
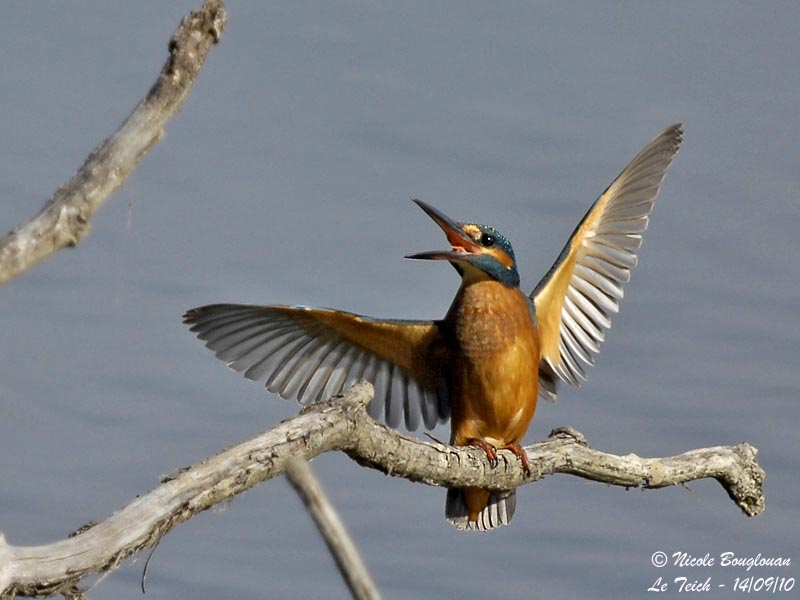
(493, 354)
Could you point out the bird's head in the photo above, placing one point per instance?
(478, 252)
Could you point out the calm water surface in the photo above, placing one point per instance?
(286, 178)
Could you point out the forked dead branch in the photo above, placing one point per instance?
(342, 423)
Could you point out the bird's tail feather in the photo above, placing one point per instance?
(497, 512)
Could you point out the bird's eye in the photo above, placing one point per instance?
(487, 240)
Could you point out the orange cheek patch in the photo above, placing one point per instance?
(501, 257)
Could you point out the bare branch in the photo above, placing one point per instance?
(64, 220)
(333, 531)
(342, 423)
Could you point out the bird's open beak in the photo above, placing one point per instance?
(462, 245)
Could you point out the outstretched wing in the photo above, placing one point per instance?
(310, 354)
(575, 300)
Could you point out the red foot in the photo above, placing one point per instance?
(517, 450)
(491, 451)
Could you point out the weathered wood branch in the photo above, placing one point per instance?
(333, 531)
(64, 219)
(342, 423)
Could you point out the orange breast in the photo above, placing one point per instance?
(494, 371)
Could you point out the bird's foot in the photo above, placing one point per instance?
(491, 451)
(517, 450)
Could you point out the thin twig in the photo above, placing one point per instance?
(333, 531)
(147, 564)
(64, 220)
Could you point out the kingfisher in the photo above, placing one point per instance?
(487, 361)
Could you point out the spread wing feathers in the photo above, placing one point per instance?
(310, 354)
(575, 300)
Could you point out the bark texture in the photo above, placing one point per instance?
(64, 219)
(342, 423)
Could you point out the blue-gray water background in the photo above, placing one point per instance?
(286, 178)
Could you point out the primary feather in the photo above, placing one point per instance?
(576, 298)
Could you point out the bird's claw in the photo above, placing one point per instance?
(517, 451)
(491, 451)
